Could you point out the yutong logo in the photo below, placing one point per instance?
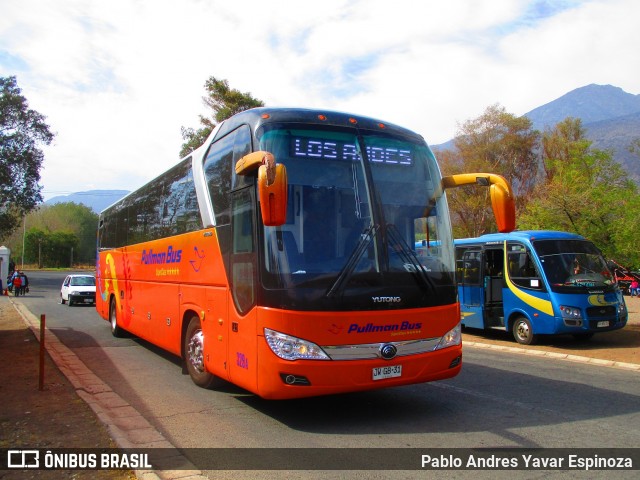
(386, 299)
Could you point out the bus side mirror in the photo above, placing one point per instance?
(504, 208)
(272, 185)
(272, 189)
(502, 198)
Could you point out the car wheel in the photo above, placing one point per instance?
(194, 355)
(62, 300)
(70, 301)
(522, 331)
(116, 331)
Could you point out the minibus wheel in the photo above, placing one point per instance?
(194, 355)
(522, 331)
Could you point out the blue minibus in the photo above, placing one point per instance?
(535, 283)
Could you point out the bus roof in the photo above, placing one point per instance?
(525, 235)
(255, 117)
(258, 116)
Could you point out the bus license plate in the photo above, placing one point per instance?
(387, 372)
(603, 324)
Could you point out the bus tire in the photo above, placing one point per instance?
(194, 355)
(522, 331)
(116, 331)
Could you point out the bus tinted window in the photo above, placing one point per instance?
(165, 206)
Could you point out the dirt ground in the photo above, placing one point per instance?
(57, 418)
(619, 345)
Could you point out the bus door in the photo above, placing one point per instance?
(493, 282)
(470, 288)
(242, 345)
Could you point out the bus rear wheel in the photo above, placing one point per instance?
(522, 331)
(116, 331)
(194, 355)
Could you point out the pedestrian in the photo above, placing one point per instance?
(17, 284)
(25, 283)
(634, 288)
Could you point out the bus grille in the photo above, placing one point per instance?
(608, 311)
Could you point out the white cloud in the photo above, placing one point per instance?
(118, 79)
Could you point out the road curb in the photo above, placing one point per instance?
(554, 355)
(126, 426)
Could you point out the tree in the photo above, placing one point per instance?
(76, 219)
(225, 102)
(495, 142)
(586, 192)
(54, 249)
(22, 131)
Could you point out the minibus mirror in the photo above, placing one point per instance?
(502, 198)
(272, 189)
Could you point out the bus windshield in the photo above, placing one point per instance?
(365, 213)
(573, 264)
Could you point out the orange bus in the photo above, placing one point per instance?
(281, 256)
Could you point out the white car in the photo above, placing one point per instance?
(78, 288)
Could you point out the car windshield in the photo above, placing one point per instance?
(573, 264)
(364, 210)
(82, 282)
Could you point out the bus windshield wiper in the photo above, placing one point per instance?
(352, 262)
(411, 261)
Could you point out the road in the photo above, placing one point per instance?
(499, 400)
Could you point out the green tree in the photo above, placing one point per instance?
(495, 142)
(586, 192)
(74, 218)
(225, 102)
(22, 131)
(50, 249)
(70, 217)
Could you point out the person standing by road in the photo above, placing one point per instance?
(634, 288)
(17, 283)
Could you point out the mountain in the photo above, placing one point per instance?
(616, 135)
(610, 117)
(593, 103)
(96, 200)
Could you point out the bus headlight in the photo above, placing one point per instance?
(571, 313)
(622, 309)
(451, 338)
(293, 348)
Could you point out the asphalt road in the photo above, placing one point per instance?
(499, 400)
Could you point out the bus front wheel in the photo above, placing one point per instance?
(194, 355)
(522, 331)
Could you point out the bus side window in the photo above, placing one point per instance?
(468, 266)
(522, 269)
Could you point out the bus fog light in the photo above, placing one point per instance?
(293, 348)
(451, 338)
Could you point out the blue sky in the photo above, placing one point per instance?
(118, 79)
